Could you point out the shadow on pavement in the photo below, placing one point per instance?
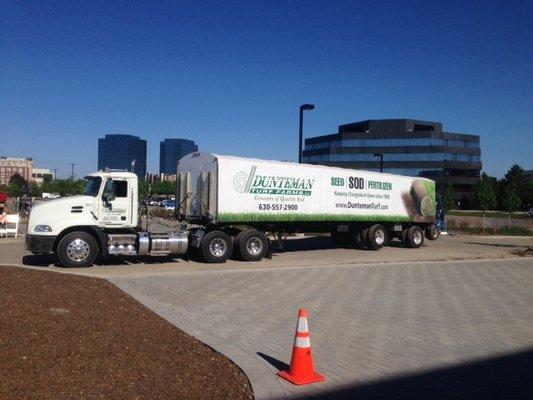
(47, 260)
(279, 365)
(508, 377)
(322, 243)
(496, 244)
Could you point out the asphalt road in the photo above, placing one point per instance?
(300, 251)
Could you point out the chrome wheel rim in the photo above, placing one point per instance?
(417, 237)
(78, 250)
(218, 247)
(254, 246)
(379, 237)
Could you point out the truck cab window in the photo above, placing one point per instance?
(116, 188)
(93, 186)
(121, 188)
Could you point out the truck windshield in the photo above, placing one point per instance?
(93, 186)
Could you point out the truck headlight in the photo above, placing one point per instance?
(42, 228)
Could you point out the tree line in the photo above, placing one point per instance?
(511, 193)
(19, 187)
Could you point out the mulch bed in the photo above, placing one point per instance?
(70, 337)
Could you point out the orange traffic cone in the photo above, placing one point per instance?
(301, 371)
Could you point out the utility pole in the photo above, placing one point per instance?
(72, 169)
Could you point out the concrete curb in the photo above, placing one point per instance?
(265, 384)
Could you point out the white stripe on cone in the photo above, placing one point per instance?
(302, 325)
(302, 342)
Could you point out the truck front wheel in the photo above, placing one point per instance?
(216, 247)
(77, 249)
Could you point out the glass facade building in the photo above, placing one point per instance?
(409, 147)
(171, 150)
(118, 151)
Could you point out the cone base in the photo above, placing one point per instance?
(301, 380)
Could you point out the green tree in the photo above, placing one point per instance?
(143, 190)
(511, 201)
(448, 197)
(517, 178)
(485, 195)
(17, 186)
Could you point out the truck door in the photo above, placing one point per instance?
(115, 206)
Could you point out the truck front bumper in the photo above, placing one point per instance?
(40, 244)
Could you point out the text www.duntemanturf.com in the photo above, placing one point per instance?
(364, 206)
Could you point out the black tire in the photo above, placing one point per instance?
(403, 235)
(376, 237)
(216, 247)
(252, 245)
(364, 237)
(236, 253)
(414, 237)
(432, 232)
(77, 249)
(342, 239)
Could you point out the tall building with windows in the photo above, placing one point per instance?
(409, 147)
(118, 152)
(171, 150)
(10, 166)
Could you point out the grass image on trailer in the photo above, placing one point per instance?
(234, 196)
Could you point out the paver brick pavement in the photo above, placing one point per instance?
(367, 323)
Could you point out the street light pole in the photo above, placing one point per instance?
(380, 161)
(303, 107)
(72, 168)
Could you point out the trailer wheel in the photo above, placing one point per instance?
(77, 249)
(432, 232)
(376, 237)
(342, 239)
(236, 253)
(252, 245)
(362, 238)
(414, 237)
(216, 247)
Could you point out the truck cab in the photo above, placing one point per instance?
(109, 203)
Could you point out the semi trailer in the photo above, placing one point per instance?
(229, 206)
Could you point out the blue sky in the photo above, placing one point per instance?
(231, 75)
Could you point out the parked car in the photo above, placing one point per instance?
(169, 205)
(529, 213)
(50, 196)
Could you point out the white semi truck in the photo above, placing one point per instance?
(229, 205)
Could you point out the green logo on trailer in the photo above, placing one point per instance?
(269, 184)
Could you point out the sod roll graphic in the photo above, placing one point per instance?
(423, 193)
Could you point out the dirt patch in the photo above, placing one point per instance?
(527, 252)
(73, 337)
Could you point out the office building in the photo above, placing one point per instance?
(10, 166)
(408, 147)
(171, 150)
(39, 175)
(118, 152)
